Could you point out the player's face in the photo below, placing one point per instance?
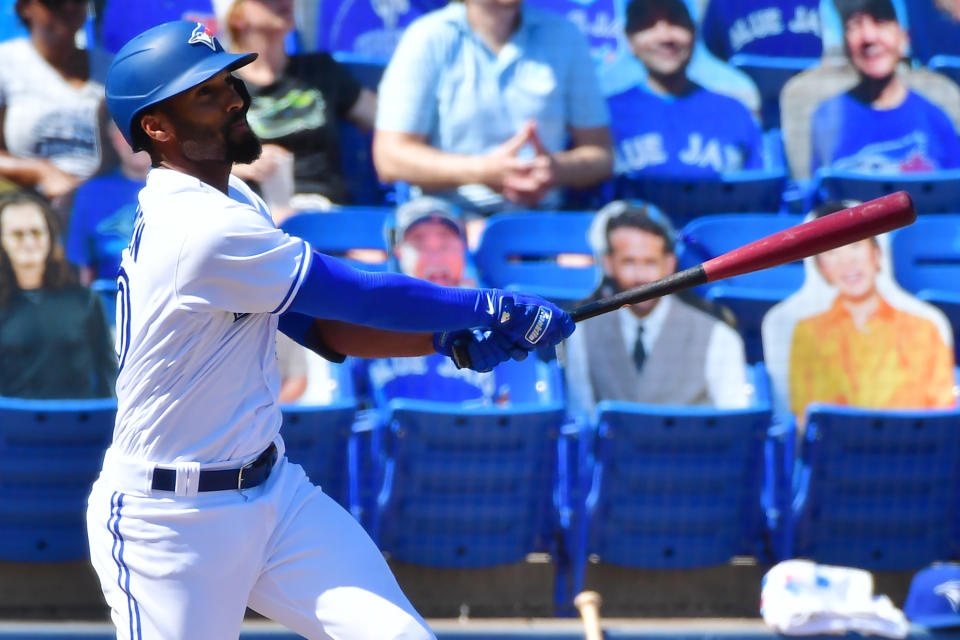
(637, 257)
(875, 46)
(433, 251)
(210, 122)
(24, 235)
(852, 269)
(664, 48)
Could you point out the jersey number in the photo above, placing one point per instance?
(123, 315)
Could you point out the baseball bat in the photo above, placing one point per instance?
(588, 604)
(865, 220)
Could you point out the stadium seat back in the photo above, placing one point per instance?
(881, 489)
(932, 192)
(526, 251)
(682, 200)
(52, 452)
(467, 487)
(676, 487)
(751, 295)
(354, 234)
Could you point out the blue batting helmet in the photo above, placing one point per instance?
(160, 63)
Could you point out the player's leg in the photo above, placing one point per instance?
(174, 568)
(325, 578)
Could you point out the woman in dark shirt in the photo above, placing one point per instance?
(54, 339)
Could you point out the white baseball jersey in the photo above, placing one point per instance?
(201, 286)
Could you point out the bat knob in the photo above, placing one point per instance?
(461, 355)
(587, 599)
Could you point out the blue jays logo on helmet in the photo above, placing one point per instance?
(160, 63)
(203, 35)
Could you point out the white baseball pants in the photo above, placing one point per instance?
(186, 566)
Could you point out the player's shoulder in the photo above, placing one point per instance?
(15, 48)
(177, 206)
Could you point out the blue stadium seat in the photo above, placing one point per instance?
(932, 192)
(317, 437)
(673, 487)
(749, 296)
(770, 73)
(947, 65)
(123, 19)
(879, 490)
(682, 200)
(926, 261)
(343, 230)
(520, 250)
(10, 25)
(51, 451)
(466, 487)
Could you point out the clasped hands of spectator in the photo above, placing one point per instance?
(524, 181)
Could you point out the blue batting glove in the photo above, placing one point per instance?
(483, 349)
(528, 321)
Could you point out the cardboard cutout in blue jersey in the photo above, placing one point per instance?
(698, 135)
(849, 135)
(789, 28)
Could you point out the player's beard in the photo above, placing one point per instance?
(229, 145)
(243, 145)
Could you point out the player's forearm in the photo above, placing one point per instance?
(367, 342)
(416, 162)
(390, 301)
(583, 166)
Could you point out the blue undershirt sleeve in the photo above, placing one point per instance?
(389, 301)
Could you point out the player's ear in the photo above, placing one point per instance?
(157, 126)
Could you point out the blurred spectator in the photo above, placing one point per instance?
(864, 351)
(367, 27)
(763, 27)
(54, 340)
(292, 364)
(881, 125)
(672, 126)
(662, 351)
(51, 100)
(104, 209)
(430, 243)
(297, 102)
(482, 99)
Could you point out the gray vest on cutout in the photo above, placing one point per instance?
(674, 370)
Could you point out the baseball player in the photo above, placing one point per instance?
(197, 514)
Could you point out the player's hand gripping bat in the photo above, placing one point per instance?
(810, 238)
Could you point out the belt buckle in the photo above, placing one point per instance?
(242, 469)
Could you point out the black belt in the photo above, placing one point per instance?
(246, 477)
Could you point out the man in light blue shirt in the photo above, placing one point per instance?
(492, 106)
